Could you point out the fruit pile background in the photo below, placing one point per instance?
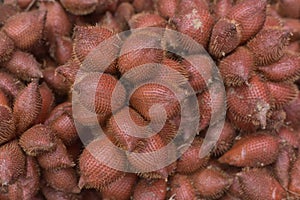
(254, 43)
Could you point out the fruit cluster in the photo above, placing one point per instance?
(45, 44)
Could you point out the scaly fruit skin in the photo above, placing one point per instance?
(144, 20)
(241, 22)
(286, 69)
(283, 165)
(24, 66)
(194, 21)
(182, 188)
(37, 140)
(6, 47)
(27, 185)
(13, 163)
(120, 189)
(259, 184)
(255, 150)
(64, 180)
(237, 68)
(257, 101)
(103, 87)
(27, 106)
(268, 45)
(294, 177)
(150, 189)
(28, 24)
(256, 155)
(211, 182)
(189, 161)
(7, 124)
(79, 7)
(95, 173)
(56, 159)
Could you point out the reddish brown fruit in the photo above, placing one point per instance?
(237, 68)
(282, 93)
(292, 25)
(194, 21)
(10, 85)
(289, 8)
(145, 97)
(27, 107)
(87, 38)
(143, 20)
(27, 186)
(78, 7)
(86, 117)
(7, 11)
(120, 189)
(58, 158)
(69, 70)
(294, 185)
(56, 81)
(286, 69)
(13, 163)
(294, 47)
(95, 173)
(7, 124)
(59, 110)
(24, 65)
(64, 128)
(182, 188)
(61, 49)
(255, 150)
(143, 5)
(276, 120)
(144, 162)
(52, 194)
(47, 103)
(123, 13)
(64, 180)
(200, 75)
(25, 3)
(250, 15)
(171, 72)
(26, 28)
(166, 131)
(37, 140)
(256, 100)
(57, 22)
(121, 128)
(190, 161)
(225, 37)
(103, 87)
(292, 112)
(6, 47)
(133, 55)
(211, 105)
(4, 101)
(104, 6)
(110, 22)
(272, 20)
(167, 8)
(225, 139)
(268, 45)
(221, 7)
(289, 136)
(283, 165)
(211, 182)
(259, 184)
(150, 189)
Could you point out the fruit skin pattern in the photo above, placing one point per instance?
(255, 45)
